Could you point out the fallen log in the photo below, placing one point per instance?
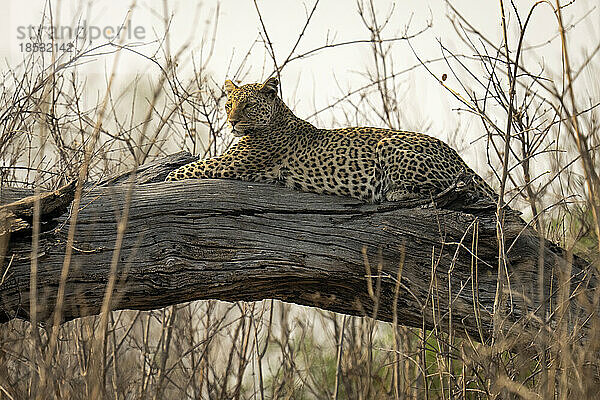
(233, 240)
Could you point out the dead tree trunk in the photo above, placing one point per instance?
(232, 240)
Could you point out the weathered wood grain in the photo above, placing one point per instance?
(231, 240)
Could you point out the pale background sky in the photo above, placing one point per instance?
(314, 82)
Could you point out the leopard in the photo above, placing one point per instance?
(367, 163)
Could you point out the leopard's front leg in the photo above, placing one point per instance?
(225, 166)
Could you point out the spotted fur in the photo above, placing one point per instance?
(371, 164)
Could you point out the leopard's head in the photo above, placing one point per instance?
(250, 107)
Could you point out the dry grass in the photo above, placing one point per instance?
(540, 131)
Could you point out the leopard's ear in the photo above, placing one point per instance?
(270, 85)
(229, 86)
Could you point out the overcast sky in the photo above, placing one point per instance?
(313, 82)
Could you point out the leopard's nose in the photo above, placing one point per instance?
(233, 122)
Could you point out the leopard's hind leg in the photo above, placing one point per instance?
(410, 174)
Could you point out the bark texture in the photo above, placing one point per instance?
(232, 240)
